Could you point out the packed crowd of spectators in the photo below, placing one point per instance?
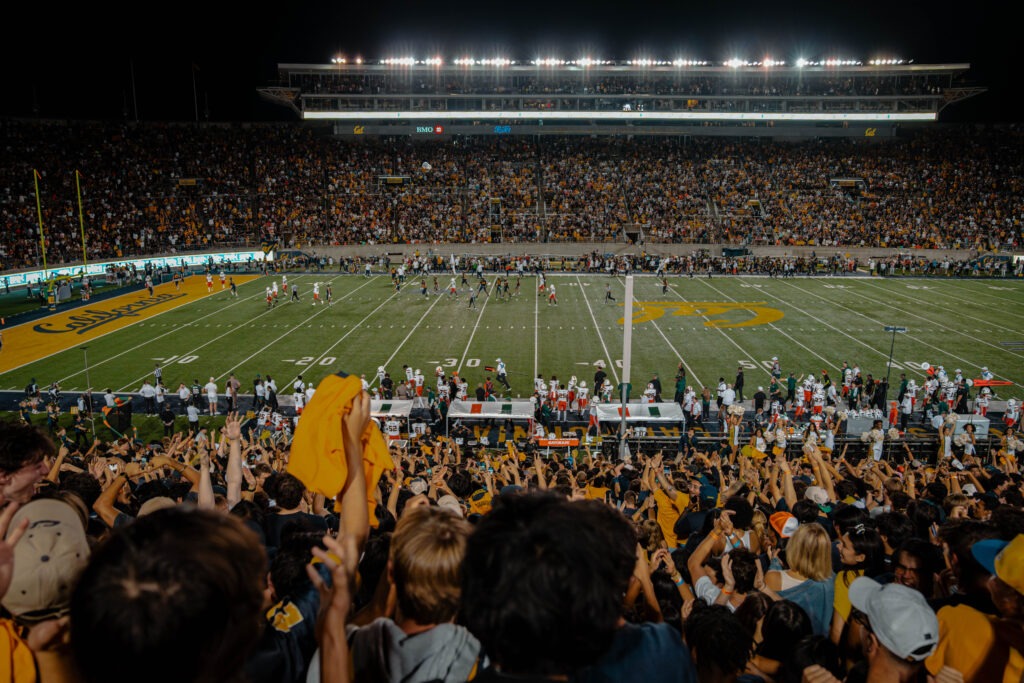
(337, 556)
(496, 82)
(165, 189)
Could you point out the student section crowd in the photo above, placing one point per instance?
(340, 556)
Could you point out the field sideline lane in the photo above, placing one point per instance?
(38, 339)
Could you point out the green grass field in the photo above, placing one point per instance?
(712, 326)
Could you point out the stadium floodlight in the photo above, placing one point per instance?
(337, 60)
(801, 62)
(434, 61)
(734, 63)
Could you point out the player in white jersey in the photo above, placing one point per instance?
(223, 280)
(799, 405)
(410, 374)
(808, 389)
(1012, 415)
(284, 282)
(539, 385)
(552, 298)
(818, 398)
(562, 402)
(316, 293)
(689, 396)
(419, 379)
(949, 393)
(981, 403)
(209, 282)
(582, 397)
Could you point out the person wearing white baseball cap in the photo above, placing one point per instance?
(898, 632)
(901, 630)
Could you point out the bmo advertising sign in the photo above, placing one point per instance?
(434, 130)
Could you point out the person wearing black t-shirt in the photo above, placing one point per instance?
(290, 510)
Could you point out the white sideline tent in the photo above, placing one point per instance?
(489, 410)
(641, 412)
(391, 412)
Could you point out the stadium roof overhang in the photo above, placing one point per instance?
(621, 116)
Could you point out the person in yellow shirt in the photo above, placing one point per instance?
(671, 502)
(597, 488)
(980, 646)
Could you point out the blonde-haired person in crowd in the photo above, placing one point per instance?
(417, 639)
(807, 579)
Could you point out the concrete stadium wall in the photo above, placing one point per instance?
(577, 248)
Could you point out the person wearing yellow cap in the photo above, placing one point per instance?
(986, 649)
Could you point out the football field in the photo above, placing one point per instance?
(711, 326)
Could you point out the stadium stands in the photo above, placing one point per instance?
(166, 189)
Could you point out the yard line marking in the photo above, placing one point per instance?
(148, 341)
(880, 324)
(411, 332)
(977, 292)
(473, 333)
(331, 348)
(219, 337)
(611, 363)
(948, 329)
(936, 305)
(782, 332)
(851, 329)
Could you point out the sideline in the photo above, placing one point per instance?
(29, 343)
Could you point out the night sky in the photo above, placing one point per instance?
(77, 62)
